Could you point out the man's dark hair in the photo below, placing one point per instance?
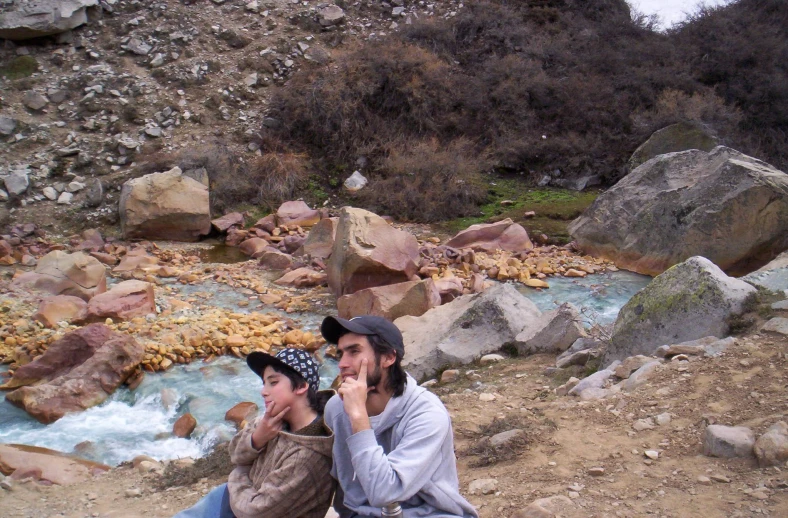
(297, 381)
(397, 377)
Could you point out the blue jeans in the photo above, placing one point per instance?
(215, 504)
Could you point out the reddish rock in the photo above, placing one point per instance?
(275, 260)
(489, 237)
(91, 240)
(235, 237)
(477, 283)
(61, 273)
(293, 213)
(234, 219)
(369, 252)
(125, 300)
(75, 373)
(241, 412)
(104, 258)
(136, 259)
(254, 247)
(302, 278)
(48, 465)
(61, 308)
(5, 248)
(320, 240)
(392, 301)
(267, 223)
(450, 288)
(293, 243)
(184, 426)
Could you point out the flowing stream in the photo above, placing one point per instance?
(132, 423)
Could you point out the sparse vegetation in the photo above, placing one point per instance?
(19, 67)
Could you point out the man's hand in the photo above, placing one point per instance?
(354, 396)
(268, 427)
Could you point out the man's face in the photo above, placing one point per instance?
(353, 348)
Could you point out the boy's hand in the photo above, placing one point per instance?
(268, 427)
(354, 397)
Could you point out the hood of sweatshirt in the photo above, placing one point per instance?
(397, 407)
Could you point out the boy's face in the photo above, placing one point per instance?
(278, 389)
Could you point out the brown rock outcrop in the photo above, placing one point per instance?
(61, 273)
(61, 308)
(489, 237)
(164, 205)
(125, 300)
(302, 278)
(393, 301)
(75, 373)
(233, 219)
(184, 426)
(369, 252)
(254, 247)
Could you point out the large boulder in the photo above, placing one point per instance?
(681, 136)
(320, 240)
(465, 329)
(49, 465)
(561, 328)
(25, 19)
(76, 372)
(125, 300)
(369, 252)
(690, 203)
(393, 301)
(293, 213)
(489, 237)
(61, 273)
(691, 300)
(165, 205)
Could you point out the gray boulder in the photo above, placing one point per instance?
(670, 139)
(17, 183)
(582, 350)
(690, 203)
(773, 276)
(465, 329)
(771, 448)
(562, 327)
(691, 300)
(728, 441)
(25, 19)
(7, 125)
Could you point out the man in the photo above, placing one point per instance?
(393, 440)
(282, 459)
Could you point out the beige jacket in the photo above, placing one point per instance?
(290, 477)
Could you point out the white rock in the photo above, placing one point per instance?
(356, 182)
(491, 358)
(484, 486)
(50, 193)
(65, 198)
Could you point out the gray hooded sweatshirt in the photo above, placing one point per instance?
(407, 457)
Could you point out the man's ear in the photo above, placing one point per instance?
(388, 359)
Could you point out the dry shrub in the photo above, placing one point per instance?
(279, 176)
(428, 182)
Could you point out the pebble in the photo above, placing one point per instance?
(491, 358)
(133, 492)
(643, 424)
(597, 471)
(721, 479)
(486, 397)
(484, 486)
(651, 454)
(663, 419)
(704, 480)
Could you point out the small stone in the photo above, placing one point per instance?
(153, 132)
(760, 495)
(491, 358)
(484, 486)
(597, 471)
(651, 454)
(429, 383)
(663, 419)
(34, 100)
(50, 193)
(65, 198)
(133, 492)
(450, 376)
(6, 484)
(500, 439)
(722, 479)
(704, 480)
(643, 424)
(486, 397)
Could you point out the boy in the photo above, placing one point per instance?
(283, 459)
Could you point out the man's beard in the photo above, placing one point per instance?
(374, 377)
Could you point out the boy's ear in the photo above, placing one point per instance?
(301, 390)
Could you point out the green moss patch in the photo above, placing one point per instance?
(19, 67)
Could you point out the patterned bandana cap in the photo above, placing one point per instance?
(295, 359)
